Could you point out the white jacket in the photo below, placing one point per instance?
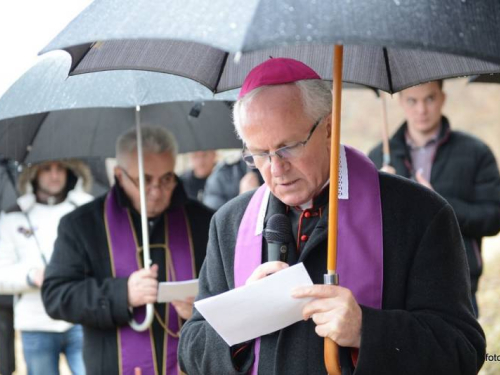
(19, 253)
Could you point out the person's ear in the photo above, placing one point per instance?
(328, 126)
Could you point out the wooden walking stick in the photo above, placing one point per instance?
(331, 349)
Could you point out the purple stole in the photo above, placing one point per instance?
(360, 242)
(136, 349)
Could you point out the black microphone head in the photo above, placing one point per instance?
(278, 229)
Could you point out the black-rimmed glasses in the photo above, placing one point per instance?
(165, 182)
(255, 160)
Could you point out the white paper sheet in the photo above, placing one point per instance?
(257, 309)
(177, 290)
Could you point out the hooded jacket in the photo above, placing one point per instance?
(27, 232)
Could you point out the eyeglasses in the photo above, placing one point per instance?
(165, 182)
(284, 153)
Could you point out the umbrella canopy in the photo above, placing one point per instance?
(200, 39)
(91, 132)
(46, 87)
(449, 26)
(387, 69)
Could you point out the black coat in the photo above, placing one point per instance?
(426, 325)
(79, 286)
(465, 173)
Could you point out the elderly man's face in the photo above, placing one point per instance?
(159, 177)
(275, 118)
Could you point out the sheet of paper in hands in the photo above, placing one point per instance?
(257, 309)
(177, 290)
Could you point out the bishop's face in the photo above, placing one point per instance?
(274, 119)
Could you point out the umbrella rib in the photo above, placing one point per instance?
(220, 72)
(74, 63)
(388, 69)
(40, 124)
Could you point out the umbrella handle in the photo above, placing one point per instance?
(148, 319)
(139, 327)
(332, 362)
(331, 357)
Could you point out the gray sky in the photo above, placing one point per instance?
(26, 26)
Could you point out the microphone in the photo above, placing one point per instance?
(278, 234)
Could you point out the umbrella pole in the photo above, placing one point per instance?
(386, 160)
(144, 222)
(331, 278)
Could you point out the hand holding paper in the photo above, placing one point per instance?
(177, 290)
(258, 308)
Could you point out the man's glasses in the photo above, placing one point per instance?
(165, 182)
(284, 153)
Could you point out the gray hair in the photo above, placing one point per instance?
(316, 99)
(155, 140)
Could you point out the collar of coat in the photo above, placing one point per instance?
(398, 140)
(320, 232)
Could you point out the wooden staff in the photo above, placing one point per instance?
(331, 349)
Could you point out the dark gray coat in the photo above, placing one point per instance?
(465, 173)
(426, 325)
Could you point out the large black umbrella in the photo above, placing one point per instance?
(152, 35)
